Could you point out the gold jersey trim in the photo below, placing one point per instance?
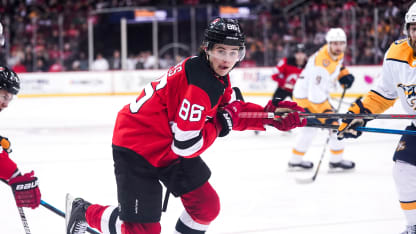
(401, 51)
(323, 59)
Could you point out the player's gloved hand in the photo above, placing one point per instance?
(278, 106)
(228, 116)
(5, 144)
(287, 121)
(347, 81)
(347, 129)
(26, 190)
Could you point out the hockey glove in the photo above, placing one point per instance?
(26, 190)
(347, 81)
(5, 144)
(228, 116)
(347, 129)
(287, 121)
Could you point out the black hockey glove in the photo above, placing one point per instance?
(228, 116)
(347, 129)
(347, 81)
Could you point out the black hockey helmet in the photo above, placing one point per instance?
(299, 48)
(9, 80)
(224, 31)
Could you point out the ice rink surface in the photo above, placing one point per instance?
(67, 141)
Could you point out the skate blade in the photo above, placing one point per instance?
(298, 169)
(340, 170)
(68, 208)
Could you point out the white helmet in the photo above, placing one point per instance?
(335, 34)
(410, 17)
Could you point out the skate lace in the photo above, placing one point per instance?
(80, 227)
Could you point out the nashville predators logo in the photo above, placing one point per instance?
(401, 146)
(410, 94)
(325, 62)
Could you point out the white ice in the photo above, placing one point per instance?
(67, 141)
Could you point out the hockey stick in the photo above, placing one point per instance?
(313, 178)
(49, 207)
(367, 129)
(62, 214)
(21, 214)
(271, 115)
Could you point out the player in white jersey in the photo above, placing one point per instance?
(398, 81)
(321, 74)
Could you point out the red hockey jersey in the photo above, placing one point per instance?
(172, 117)
(286, 73)
(7, 166)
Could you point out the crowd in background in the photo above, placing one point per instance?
(278, 26)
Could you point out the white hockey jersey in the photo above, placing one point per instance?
(318, 79)
(398, 80)
(319, 76)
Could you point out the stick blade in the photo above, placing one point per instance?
(304, 180)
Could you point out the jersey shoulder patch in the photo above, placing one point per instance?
(400, 51)
(199, 73)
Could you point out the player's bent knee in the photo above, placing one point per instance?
(202, 204)
(213, 203)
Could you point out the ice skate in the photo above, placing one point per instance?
(75, 215)
(410, 230)
(342, 165)
(301, 165)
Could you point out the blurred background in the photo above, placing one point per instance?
(54, 35)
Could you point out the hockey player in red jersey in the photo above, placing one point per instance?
(25, 187)
(160, 137)
(287, 72)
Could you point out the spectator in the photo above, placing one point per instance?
(166, 61)
(41, 65)
(56, 67)
(100, 63)
(149, 61)
(115, 61)
(19, 67)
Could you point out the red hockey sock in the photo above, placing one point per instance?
(93, 215)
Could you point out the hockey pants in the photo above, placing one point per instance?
(202, 206)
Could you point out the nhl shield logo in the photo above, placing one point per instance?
(410, 94)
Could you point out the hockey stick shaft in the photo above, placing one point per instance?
(271, 115)
(52, 208)
(315, 174)
(21, 214)
(49, 207)
(24, 220)
(62, 214)
(368, 129)
(328, 138)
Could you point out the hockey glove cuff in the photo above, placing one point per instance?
(26, 190)
(228, 116)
